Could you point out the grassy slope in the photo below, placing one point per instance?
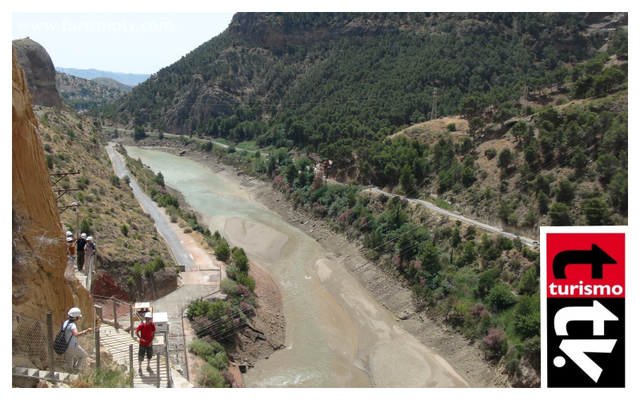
(107, 203)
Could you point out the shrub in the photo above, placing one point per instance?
(247, 281)
(229, 287)
(219, 361)
(451, 127)
(124, 230)
(210, 377)
(232, 272)
(228, 376)
(126, 179)
(201, 348)
(187, 230)
(49, 161)
(491, 153)
(115, 181)
(85, 226)
(173, 218)
(494, 341)
(137, 270)
(500, 296)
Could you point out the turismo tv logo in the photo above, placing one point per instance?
(585, 316)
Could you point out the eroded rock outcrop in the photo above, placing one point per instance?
(38, 249)
(39, 72)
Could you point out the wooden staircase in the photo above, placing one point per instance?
(117, 342)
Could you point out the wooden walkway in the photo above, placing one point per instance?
(117, 343)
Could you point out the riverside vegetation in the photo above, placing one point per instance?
(545, 139)
(215, 321)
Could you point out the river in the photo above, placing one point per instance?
(337, 334)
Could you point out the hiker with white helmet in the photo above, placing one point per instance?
(146, 331)
(80, 243)
(89, 252)
(75, 355)
(71, 248)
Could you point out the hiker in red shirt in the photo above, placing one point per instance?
(146, 331)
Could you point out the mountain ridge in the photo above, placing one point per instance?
(128, 79)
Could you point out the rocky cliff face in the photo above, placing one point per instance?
(38, 248)
(39, 71)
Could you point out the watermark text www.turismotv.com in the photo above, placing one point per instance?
(93, 26)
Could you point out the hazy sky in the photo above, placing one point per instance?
(139, 43)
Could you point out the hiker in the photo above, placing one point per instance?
(74, 351)
(90, 252)
(80, 243)
(146, 331)
(71, 248)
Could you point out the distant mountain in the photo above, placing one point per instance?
(127, 79)
(83, 94)
(113, 83)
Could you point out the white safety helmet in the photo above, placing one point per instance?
(69, 233)
(84, 235)
(75, 313)
(148, 315)
(90, 238)
(69, 240)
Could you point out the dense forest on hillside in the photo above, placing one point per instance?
(338, 84)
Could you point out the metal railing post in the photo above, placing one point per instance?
(131, 321)
(99, 312)
(166, 358)
(132, 368)
(157, 369)
(50, 343)
(115, 316)
(97, 336)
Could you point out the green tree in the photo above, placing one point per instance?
(455, 237)
(504, 210)
(529, 284)
(607, 165)
(430, 258)
(543, 203)
(595, 211)
(468, 176)
(351, 197)
(579, 160)
(519, 130)
(407, 181)
(560, 215)
(500, 296)
(566, 191)
(527, 316)
(505, 158)
(139, 133)
(222, 251)
(476, 124)
(85, 227)
(291, 173)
